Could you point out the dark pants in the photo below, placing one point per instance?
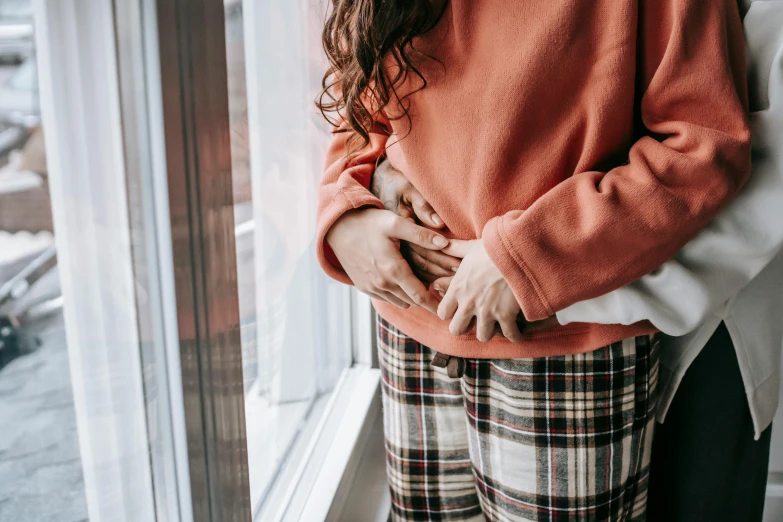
(706, 467)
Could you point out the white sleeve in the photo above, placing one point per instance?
(738, 243)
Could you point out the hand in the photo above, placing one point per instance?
(526, 327)
(478, 290)
(401, 197)
(367, 244)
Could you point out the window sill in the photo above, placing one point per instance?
(316, 486)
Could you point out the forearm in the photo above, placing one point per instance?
(598, 231)
(702, 277)
(344, 187)
(714, 266)
(742, 240)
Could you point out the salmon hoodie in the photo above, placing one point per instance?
(583, 141)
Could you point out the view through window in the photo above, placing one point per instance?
(40, 463)
(295, 322)
(90, 362)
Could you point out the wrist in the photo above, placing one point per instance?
(332, 235)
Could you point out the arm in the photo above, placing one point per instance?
(741, 240)
(598, 231)
(344, 187)
(357, 241)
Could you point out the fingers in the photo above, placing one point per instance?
(389, 181)
(448, 306)
(442, 285)
(485, 328)
(449, 263)
(423, 209)
(395, 290)
(426, 266)
(399, 228)
(392, 299)
(459, 247)
(391, 292)
(544, 324)
(386, 297)
(510, 330)
(415, 290)
(461, 323)
(406, 213)
(424, 277)
(418, 265)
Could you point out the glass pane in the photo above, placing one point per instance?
(295, 322)
(84, 401)
(41, 474)
(16, 10)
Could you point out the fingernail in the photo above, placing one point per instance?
(440, 241)
(437, 288)
(454, 268)
(436, 219)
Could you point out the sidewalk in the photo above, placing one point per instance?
(39, 452)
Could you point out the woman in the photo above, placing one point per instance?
(569, 148)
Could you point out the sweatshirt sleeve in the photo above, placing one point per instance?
(743, 239)
(598, 231)
(345, 186)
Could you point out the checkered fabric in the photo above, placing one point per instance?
(553, 439)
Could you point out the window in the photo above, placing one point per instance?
(169, 348)
(296, 329)
(16, 9)
(88, 420)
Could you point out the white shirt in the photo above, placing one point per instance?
(732, 271)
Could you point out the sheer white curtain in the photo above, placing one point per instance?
(121, 399)
(80, 109)
(298, 311)
(303, 320)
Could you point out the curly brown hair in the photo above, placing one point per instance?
(364, 40)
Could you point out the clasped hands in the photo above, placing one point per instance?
(389, 256)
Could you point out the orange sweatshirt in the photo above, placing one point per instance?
(584, 141)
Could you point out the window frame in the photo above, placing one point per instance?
(323, 480)
(194, 87)
(165, 127)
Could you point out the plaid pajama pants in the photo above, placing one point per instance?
(547, 439)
